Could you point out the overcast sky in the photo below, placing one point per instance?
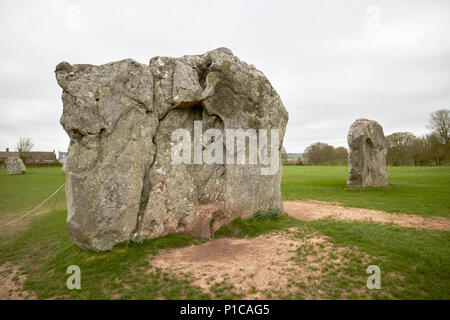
(330, 61)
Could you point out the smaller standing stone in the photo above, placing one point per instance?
(15, 165)
(367, 157)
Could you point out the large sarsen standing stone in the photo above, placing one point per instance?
(15, 165)
(367, 157)
(121, 182)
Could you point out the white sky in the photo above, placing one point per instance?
(330, 61)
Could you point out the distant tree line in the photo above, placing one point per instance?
(320, 153)
(404, 148)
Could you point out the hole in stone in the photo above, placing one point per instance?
(197, 111)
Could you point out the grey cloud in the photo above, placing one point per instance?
(328, 68)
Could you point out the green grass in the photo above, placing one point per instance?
(44, 251)
(271, 213)
(417, 190)
(256, 225)
(415, 264)
(21, 193)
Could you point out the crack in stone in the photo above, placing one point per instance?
(147, 184)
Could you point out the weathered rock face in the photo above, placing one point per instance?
(15, 165)
(367, 157)
(121, 182)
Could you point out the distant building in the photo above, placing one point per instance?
(32, 156)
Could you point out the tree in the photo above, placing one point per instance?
(24, 145)
(319, 153)
(398, 147)
(436, 150)
(419, 151)
(340, 155)
(440, 123)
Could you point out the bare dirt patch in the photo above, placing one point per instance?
(308, 210)
(11, 284)
(266, 266)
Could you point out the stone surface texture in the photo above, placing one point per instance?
(367, 155)
(15, 165)
(121, 183)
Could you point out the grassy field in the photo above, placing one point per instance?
(418, 190)
(415, 263)
(20, 193)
